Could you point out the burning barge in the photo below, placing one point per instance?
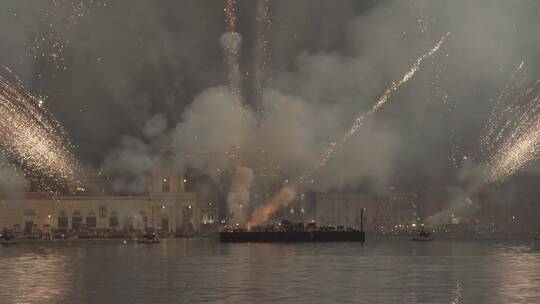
(286, 232)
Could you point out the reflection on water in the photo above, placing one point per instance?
(386, 270)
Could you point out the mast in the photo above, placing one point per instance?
(362, 219)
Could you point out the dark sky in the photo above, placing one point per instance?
(121, 62)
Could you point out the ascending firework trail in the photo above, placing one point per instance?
(359, 121)
(287, 194)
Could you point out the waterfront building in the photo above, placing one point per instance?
(167, 207)
(383, 212)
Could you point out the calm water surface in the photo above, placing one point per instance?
(384, 270)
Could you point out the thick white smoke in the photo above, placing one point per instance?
(12, 179)
(238, 198)
(459, 209)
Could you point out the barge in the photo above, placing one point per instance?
(287, 232)
(291, 236)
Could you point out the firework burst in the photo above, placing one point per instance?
(57, 20)
(33, 139)
(511, 138)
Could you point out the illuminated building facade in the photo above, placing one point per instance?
(167, 207)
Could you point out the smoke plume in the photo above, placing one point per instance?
(238, 199)
(281, 199)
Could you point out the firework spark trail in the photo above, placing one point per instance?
(515, 142)
(487, 143)
(262, 48)
(359, 121)
(287, 194)
(32, 138)
(231, 42)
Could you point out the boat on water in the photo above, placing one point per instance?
(423, 236)
(150, 238)
(287, 232)
(7, 239)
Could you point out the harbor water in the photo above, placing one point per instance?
(202, 270)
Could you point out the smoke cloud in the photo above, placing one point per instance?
(238, 199)
(281, 199)
(145, 84)
(12, 179)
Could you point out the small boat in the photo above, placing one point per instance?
(422, 236)
(6, 239)
(149, 239)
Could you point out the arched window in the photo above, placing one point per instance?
(91, 219)
(62, 219)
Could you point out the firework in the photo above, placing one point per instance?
(501, 109)
(511, 138)
(287, 194)
(32, 138)
(56, 22)
(262, 47)
(231, 42)
(359, 121)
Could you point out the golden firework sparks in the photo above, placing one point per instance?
(32, 138)
(511, 138)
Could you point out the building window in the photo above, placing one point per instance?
(91, 219)
(62, 219)
(113, 219)
(165, 185)
(28, 225)
(102, 211)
